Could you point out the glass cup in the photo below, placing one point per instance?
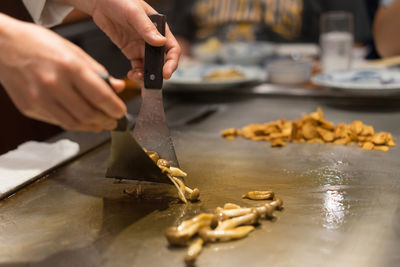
(336, 40)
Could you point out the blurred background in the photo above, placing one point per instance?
(225, 44)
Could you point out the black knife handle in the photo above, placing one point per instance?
(154, 57)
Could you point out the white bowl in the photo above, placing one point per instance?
(246, 53)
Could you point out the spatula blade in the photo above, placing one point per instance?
(151, 130)
(129, 161)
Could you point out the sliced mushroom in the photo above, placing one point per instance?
(259, 195)
(194, 251)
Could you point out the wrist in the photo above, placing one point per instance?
(86, 6)
(9, 26)
(10, 35)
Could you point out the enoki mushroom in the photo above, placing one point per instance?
(228, 223)
(173, 174)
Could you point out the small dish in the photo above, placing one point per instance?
(288, 71)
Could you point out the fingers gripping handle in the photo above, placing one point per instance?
(154, 57)
(122, 124)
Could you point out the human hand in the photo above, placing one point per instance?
(52, 80)
(127, 24)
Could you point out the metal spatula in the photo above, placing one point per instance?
(127, 159)
(151, 130)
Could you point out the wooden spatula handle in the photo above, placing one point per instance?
(154, 57)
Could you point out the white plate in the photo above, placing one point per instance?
(191, 78)
(246, 53)
(374, 81)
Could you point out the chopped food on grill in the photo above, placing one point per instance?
(223, 74)
(259, 195)
(228, 223)
(313, 128)
(173, 174)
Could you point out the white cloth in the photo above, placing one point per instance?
(31, 159)
(47, 13)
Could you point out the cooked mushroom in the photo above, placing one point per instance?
(194, 193)
(178, 186)
(259, 195)
(224, 214)
(277, 203)
(266, 210)
(173, 173)
(177, 172)
(163, 163)
(153, 155)
(231, 206)
(225, 235)
(228, 223)
(181, 234)
(194, 250)
(249, 218)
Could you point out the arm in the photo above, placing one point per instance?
(51, 79)
(127, 24)
(387, 30)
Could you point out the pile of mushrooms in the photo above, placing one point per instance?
(228, 223)
(174, 174)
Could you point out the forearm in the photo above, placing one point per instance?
(387, 30)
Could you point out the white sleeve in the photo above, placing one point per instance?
(47, 13)
(386, 2)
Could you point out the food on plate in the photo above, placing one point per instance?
(212, 45)
(313, 128)
(228, 223)
(173, 173)
(223, 75)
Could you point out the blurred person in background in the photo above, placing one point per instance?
(263, 20)
(386, 28)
